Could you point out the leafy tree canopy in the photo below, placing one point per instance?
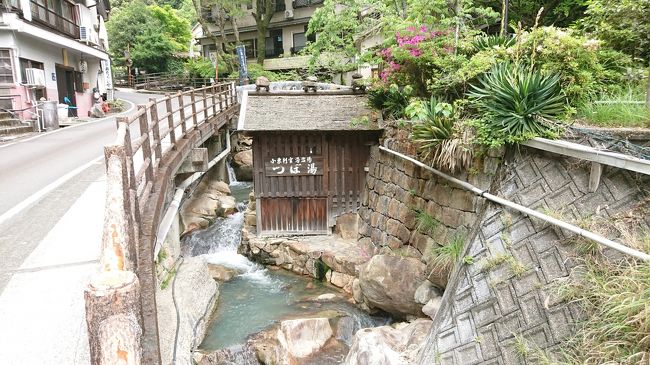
(152, 34)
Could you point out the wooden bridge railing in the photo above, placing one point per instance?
(120, 299)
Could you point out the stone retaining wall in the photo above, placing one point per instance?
(506, 295)
(396, 189)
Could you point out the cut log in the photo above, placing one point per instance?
(114, 318)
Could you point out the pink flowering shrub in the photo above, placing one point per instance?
(412, 56)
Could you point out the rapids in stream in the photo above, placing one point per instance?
(258, 297)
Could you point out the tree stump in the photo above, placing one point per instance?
(114, 318)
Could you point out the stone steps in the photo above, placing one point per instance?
(7, 131)
(9, 122)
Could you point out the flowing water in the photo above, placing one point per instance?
(258, 297)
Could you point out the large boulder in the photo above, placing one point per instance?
(389, 282)
(195, 293)
(303, 337)
(292, 343)
(389, 345)
(243, 165)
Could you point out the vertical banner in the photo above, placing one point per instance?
(243, 69)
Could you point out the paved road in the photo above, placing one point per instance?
(28, 166)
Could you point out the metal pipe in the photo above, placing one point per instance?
(170, 213)
(569, 227)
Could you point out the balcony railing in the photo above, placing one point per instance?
(51, 19)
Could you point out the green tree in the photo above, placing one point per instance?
(264, 10)
(152, 34)
(624, 25)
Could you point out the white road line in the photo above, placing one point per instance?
(131, 108)
(39, 194)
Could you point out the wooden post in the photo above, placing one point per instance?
(146, 145)
(181, 105)
(205, 105)
(213, 90)
(114, 318)
(193, 99)
(112, 298)
(233, 94)
(227, 95)
(221, 97)
(170, 120)
(155, 130)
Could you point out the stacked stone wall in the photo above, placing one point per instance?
(397, 189)
(506, 296)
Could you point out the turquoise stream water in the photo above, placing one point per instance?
(259, 297)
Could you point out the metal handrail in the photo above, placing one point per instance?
(569, 227)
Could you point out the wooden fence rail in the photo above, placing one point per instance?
(139, 168)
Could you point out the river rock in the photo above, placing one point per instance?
(387, 345)
(303, 337)
(227, 205)
(432, 307)
(425, 292)
(221, 273)
(356, 291)
(389, 282)
(243, 165)
(220, 187)
(196, 294)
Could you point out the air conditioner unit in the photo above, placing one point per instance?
(35, 77)
(288, 14)
(84, 34)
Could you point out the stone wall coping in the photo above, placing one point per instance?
(576, 150)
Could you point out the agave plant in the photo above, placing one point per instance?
(488, 42)
(519, 102)
(439, 139)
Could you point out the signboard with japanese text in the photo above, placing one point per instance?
(294, 166)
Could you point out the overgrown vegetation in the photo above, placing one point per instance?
(425, 223)
(614, 297)
(444, 257)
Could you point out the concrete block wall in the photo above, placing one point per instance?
(488, 309)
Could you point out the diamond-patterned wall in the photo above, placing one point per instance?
(485, 304)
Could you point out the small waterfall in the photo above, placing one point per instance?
(232, 178)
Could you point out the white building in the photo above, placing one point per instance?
(55, 49)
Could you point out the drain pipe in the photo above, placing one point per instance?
(170, 214)
(530, 212)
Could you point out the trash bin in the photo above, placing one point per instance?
(50, 115)
(63, 111)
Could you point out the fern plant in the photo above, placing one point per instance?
(519, 103)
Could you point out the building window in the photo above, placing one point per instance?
(299, 42)
(56, 14)
(251, 48)
(6, 71)
(25, 64)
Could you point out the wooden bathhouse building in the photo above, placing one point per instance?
(310, 155)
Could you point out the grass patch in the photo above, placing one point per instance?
(425, 223)
(617, 111)
(168, 279)
(444, 257)
(616, 299)
(515, 267)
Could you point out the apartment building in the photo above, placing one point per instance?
(285, 37)
(53, 49)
